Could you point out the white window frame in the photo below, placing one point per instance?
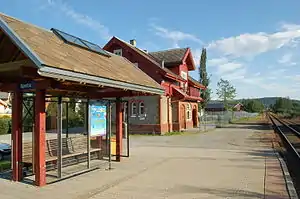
(133, 105)
(189, 111)
(184, 75)
(142, 104)
(118, 52)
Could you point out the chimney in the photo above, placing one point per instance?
(163, 63)
(133, 42)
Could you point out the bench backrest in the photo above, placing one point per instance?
(78, 143)
(69, 145)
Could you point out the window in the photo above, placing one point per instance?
(142, 108)
(183, 75)
(188, 115)
(118, 52)
(188, 112)
(133, 109)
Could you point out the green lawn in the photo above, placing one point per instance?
(248, 119)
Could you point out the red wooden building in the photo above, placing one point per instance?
(175, 110)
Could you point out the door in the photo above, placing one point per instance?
(182, 117)
(195, 117)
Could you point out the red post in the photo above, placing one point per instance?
(119, 130)
(17, 136)
(40, 138)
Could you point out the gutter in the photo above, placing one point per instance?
(56, 73)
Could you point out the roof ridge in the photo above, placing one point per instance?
(130, 44)
(169, 50)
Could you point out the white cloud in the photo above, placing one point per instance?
(238, 74)
(174, 35)
(257, 74)
(286, 59)
(80, 18)
(293, 77)
(217, 61)
(248, 44)
(289, 26)
(229, 67)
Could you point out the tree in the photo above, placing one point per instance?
(204, 79)
(253, 106)
(225, 91)
(284, 106)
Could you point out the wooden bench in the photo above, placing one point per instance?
(72, 147)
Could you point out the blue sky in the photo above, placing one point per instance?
(254, 44)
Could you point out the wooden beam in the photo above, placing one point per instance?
(18, 52)
(15, 65)
(40, 138)
(2, 39)
(8, 87)
(119, 129)
(17, 136)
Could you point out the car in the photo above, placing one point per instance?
(5, 150)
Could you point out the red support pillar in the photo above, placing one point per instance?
(40, 138)
(17, 136)
(119, 129)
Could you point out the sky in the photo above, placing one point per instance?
(253, 44)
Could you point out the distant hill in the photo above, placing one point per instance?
(267, 101)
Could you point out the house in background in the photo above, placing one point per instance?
(215, 107)
(177, 109)
(238, 107)
(5, 107)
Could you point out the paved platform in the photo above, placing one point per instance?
(232, 162)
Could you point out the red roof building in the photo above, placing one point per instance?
(175, 110)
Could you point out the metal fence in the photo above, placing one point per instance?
(224, 117)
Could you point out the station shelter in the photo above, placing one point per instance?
(44, 66)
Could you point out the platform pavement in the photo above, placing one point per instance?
(233, 162)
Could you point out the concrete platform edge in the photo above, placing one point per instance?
(287, 177)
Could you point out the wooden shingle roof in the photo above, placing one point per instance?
(170, 57)
(52, 51)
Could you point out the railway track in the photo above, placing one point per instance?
(289, 140)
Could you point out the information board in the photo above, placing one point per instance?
(97, 112)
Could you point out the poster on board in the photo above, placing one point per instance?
(97, 118)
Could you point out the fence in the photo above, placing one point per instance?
(224, 117)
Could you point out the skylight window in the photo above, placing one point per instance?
(70, 39)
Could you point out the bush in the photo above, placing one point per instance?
(5, 125)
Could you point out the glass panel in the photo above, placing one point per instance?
(75, 40)
(28, 137)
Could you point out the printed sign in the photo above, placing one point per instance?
(28, 85)
(97, 112)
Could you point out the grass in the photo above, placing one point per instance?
(174, 133)
(4, 165)
(248, 119)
